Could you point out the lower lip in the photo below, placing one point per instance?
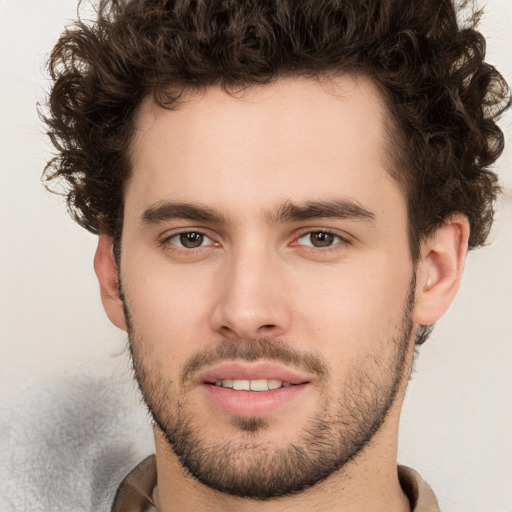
(252, 403)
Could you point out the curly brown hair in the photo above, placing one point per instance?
(443, 99)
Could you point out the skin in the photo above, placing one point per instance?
(256, 275)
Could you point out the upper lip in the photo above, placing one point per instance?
(242, 370)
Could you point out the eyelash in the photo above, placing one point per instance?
(342, 241)
(167, 241)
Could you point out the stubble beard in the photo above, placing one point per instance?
(246, 466)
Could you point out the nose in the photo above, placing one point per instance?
(253, 300)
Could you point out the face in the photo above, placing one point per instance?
(267, 281)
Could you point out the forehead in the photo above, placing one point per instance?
(297, 139)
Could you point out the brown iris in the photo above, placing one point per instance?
(321, 239)
(191, 240)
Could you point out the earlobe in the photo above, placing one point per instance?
(440, 270)
(106, 272)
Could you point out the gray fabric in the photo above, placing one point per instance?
(66, 443)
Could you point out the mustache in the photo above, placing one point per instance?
(268, 348)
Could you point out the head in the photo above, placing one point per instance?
(282, 191)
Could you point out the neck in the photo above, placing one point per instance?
(368, 483)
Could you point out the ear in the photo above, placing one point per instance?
(440, 268)
(106, 271)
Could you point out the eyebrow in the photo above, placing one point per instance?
(336, 208)
(286, 212)
(164, 211)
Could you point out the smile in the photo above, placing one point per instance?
(252, 385)
(250, 389)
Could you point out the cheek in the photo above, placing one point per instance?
(169, 309)
(353, 310)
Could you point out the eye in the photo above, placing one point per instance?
(190, 240)
(320, 239)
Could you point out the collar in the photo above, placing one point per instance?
(135, 492)
(420, 494)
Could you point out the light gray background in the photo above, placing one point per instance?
(457, 419)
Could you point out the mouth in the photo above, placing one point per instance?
(257, 385)
(252, 389)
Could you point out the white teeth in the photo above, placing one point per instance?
(241, 385)
(259, 385)
(252, 385)
(274, 384)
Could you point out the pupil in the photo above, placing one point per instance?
(321, 239)
(191, 240)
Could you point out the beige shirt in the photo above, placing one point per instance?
(135, 494)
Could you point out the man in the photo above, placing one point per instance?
(284, 194)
